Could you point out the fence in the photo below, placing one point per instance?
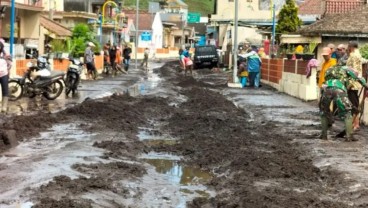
(289, 76)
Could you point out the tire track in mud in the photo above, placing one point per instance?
(122, 114)
(119, 113)
(253, 164)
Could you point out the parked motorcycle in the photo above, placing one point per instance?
(46, 83)
(73, 76)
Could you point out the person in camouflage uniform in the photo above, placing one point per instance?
(337, 80)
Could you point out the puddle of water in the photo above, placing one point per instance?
(148, 135)
(35, 162)
(177, 173)
(171, 183)
(145, 85)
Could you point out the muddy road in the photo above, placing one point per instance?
(176, 141)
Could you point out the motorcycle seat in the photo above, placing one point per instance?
(52, 75)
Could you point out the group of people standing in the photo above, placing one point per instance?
(249, 69)
(115, 57)
(340, 81)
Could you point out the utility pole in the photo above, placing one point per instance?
(273, 30)
(182, 29)
(51, 11)
(12, 20)
(235, 50)
(136, 33)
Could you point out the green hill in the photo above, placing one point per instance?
(202, 6)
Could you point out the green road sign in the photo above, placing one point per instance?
(193, 17)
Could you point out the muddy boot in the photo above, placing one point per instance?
(324, 124)
(4, 104)
(349, 129)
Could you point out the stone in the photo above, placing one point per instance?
(9, 138)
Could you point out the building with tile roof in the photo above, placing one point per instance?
(55, 29)
(353, 23)
(339, 28)
(311, 10)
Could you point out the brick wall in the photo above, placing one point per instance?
(288, 76)
(271, 70)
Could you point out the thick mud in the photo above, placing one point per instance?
(184, 142)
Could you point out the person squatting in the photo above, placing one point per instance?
(338, 79)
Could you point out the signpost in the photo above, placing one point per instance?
(146, 36)
(193, 17)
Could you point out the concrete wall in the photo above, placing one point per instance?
(57, 5)
(295, 83)
(29, 24)
(247, 10)
(288, 76)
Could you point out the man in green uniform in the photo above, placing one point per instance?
(337, 80)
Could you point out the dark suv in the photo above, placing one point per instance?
(205, 56)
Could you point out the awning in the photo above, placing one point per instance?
(299, 39)
(55, 28)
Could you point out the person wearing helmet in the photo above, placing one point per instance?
(334, 89)
(42, 69)
(329, 62)
(89, 60)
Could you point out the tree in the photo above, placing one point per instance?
(288, 21)
(77, 43)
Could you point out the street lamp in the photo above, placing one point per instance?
(273, 31)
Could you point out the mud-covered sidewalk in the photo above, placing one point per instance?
(181, 142)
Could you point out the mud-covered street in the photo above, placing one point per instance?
(166, 140)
